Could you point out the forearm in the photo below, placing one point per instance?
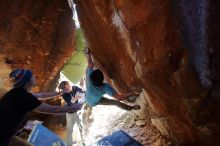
(47, 95)
(89, 60)
(48, 109)
(58, 110)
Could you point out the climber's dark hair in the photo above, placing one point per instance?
(97, 77)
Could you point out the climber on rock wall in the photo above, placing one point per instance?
(18, 102)
(95, 89)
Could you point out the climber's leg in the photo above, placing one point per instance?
(107, 101)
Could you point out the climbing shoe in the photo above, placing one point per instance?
(136, 107)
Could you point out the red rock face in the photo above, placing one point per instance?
(37, 35)
(138, 44)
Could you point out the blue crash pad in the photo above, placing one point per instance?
(118, 138)
(41, 136)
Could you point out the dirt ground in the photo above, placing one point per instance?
(108, 119)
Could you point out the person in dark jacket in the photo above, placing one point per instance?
(70, 96)
(19, 101)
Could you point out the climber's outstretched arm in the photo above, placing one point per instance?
(47, 95)
(55, 110)
(89, 58)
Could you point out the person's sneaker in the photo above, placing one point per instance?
(136, 107)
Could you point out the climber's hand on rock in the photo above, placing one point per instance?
(137, 92)
(86, 51)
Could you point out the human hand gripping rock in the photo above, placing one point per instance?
(137, 92)
(86, 51)
(134, 96)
